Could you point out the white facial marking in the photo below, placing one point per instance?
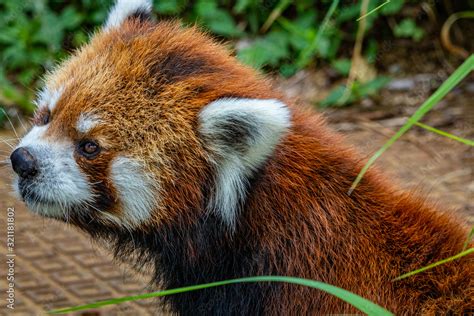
(123, 9)
(242, 133)
(59, 184)
(49, 98)
(136, 190)
(86, 122)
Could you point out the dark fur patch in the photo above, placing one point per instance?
(141, 15)
(215, 256)
(236, 132)
(177, 66)
(97, 171)
(104, 199)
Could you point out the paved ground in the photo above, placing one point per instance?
(57, 266)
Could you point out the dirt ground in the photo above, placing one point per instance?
(57, 266)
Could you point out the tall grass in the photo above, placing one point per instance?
(360, 303)
(445, 134)
(444, 89)
(433, 265)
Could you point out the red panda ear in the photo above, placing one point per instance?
(241, 135)
(125, 9)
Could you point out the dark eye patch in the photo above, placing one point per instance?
(42, 116)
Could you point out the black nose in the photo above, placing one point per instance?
(24, 163)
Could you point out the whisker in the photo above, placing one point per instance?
(6, 142)
(21, 122)
(10, 139)
(10, 121)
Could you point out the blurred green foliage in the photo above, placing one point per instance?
(35, 34)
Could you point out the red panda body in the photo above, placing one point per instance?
(167, 170)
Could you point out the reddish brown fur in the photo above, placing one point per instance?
(298, 210)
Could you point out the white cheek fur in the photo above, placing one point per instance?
(135, 188)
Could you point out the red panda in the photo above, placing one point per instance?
(155, 140)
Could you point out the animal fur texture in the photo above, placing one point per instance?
(155, 140)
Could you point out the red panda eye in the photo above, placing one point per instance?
(46, 118)
(42, 117)
(89, 149)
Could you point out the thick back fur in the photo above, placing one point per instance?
(139, 89)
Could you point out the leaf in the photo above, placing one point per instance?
(222, 23)
(205, 8)
(348, 13)
(334, 96)
(306, 20)
(357, 92)
(394, 6)
(408, 28)
(27, 76)
(217, 20)
(269, 50)
(168, 7)
(371, 51)
(8, 35)
(324, 46)
(51, 31)
(70, 18)
(306, 54)
(288, 70)
(241, 5)
(371, 87)
(342, 66)
(299, 36)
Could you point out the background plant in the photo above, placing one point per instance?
(272, 35)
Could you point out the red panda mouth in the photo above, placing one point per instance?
(41, 205)
(29, 195)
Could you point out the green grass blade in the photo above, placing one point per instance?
(360, 303)
(431, 266)
(372, 11)
(469, 238)
(447, 86)
(305, 55)
(281, 6)
(446, 134)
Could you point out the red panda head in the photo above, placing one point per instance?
(144, 122)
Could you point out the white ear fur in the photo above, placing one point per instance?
(241, 134)
(123, 9)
